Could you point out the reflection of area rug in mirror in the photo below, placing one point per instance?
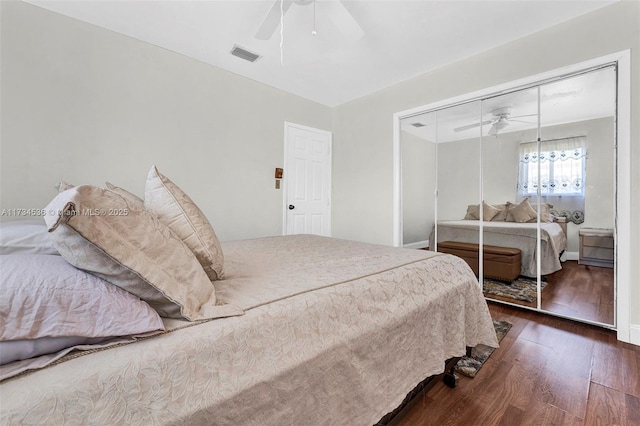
(469, 366)
(522, 288)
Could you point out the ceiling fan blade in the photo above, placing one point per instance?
(520, 121)
(342, 19)
(511, 117)
(272, 20)
(493, 130)
(471, 126)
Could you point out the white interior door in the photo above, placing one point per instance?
(307, 181)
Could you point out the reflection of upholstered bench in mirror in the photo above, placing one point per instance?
(500, 263)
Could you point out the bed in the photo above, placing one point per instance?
(522, 236)
(294, 330)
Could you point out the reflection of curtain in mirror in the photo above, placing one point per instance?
(562, 175)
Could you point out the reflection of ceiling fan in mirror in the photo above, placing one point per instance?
(334, 10)
(501, 119)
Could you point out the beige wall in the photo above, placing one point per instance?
(89, 105)
(418, 186)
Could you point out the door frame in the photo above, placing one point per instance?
(626, 331)
(287, 176)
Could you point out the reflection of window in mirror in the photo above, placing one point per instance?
(560, 167)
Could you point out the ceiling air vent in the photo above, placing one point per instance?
(418, 124)
(243, 53)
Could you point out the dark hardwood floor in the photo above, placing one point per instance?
(580, 291)
(547, 371)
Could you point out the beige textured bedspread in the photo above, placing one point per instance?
(522, 236)
(335, 332)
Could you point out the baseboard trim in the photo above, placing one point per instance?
(570, 255)
(417, 245)
(634, 334)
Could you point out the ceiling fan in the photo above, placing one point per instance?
(501, 119)
(334, 10)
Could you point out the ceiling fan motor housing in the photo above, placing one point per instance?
(502, 112)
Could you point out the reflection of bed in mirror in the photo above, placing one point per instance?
(553, 240)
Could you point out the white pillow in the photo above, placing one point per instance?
(101, 232)
(25, 236)
(43, 296)
(16, 350)
(175, 209)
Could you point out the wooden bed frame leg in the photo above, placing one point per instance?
(450, 378)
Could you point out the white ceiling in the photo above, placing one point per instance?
(399, 39)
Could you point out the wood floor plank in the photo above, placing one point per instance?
(547, 371)
(608, 407)
(617, 367)
(529, 360)
(541, 414)
(512, 416)
(567, 392)
(632, 409)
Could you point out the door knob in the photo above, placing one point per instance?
(291, 207)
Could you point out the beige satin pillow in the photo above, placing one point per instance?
(502, 214)
(101, 232)
(62, 186)
(176, 210)
(488, 212)
(522, 212)
(133, 199)
(545, 213)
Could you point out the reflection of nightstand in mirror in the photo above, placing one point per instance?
(562, 221)
(596, 247)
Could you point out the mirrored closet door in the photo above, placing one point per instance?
(510, 226)
(521, 185)
(577, 155)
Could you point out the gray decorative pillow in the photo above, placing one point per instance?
(99, 231)
(177, 211)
